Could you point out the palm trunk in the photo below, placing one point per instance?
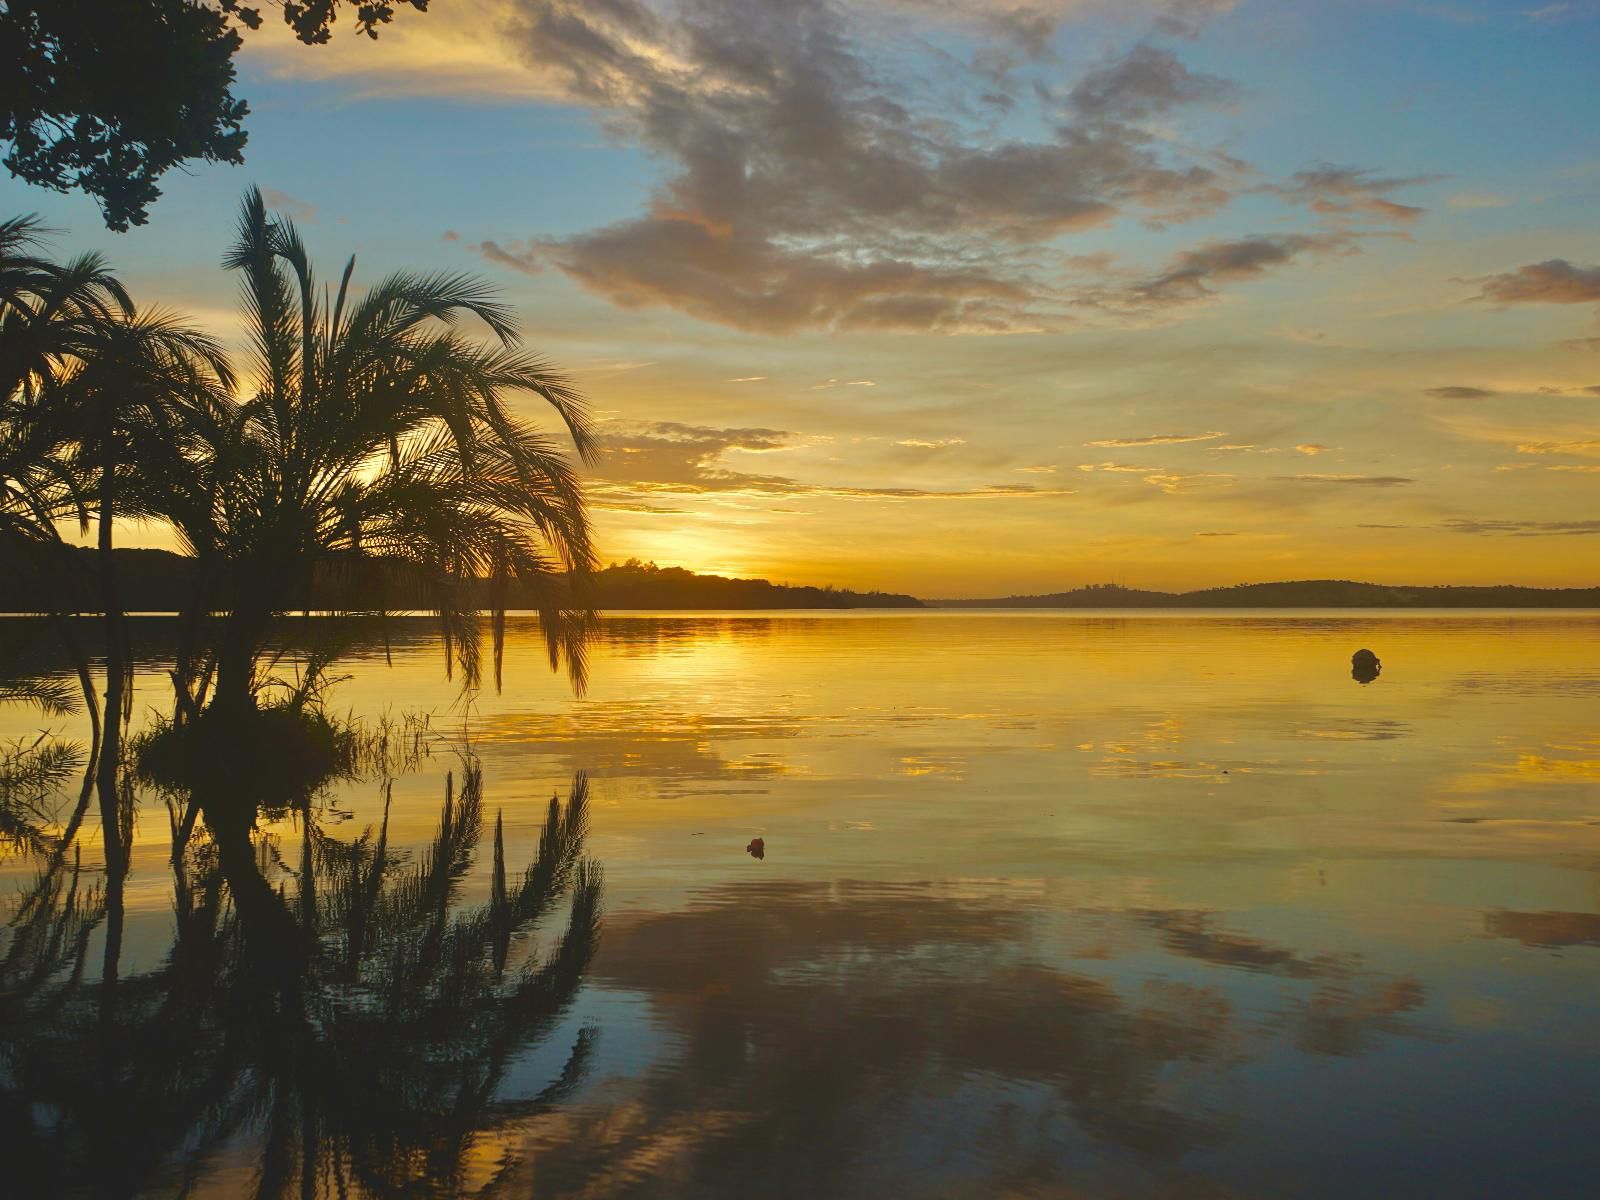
(243, 632)
(116, 674)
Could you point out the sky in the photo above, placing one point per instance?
(986, 297)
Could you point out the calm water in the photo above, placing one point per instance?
(1051, 906)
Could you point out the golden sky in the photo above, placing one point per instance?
(978, 299)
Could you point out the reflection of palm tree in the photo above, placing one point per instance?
(349, 1016)
(378, 438)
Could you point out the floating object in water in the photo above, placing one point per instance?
(1364, 666)
(757, 848)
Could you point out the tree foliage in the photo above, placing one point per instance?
(106, 96)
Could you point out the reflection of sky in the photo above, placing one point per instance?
(1052, 902)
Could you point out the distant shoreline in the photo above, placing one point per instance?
(1298, 594)
(157, 581)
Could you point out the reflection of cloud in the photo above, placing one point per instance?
(1192, 935)
(679, 752)
(1547, 929)
(791, 1009)
(823, 984)
(1340, 1019)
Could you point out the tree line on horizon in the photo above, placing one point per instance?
(158, 581)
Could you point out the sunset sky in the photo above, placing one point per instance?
(977, 297)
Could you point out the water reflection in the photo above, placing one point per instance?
(329, 1020)
(1141, 909)
(860, 1039)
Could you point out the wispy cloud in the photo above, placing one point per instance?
(1512, 528)
(1555, 281)
(1375, 481)
(1344, 191)
(1460, 392)
(1157, 439)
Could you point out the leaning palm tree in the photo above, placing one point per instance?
(50, 314)
(378, 454)
(121, 402)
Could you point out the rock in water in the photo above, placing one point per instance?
(757, 848)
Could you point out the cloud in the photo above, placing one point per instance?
(1157, 439)
(1379, 481)
(1584, 448)
(519, 256)
(1559, 12)
(1555, 281)
(1512, 528)
(1312, 448)
(1457, 392)
(1473, 200)
(811, 186)
(1173, 482)
(1145, 82)
(1193, 275)
(289, 206)
(645, 462)
(1352, 192)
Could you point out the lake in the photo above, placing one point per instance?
(1051, 905)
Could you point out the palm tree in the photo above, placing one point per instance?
(49, 314)
(378, 451)
(121, 402)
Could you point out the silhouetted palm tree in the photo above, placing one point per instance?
(378, 446)
(121, 402)
(48, 314)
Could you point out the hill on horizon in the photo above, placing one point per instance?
(1302, 593)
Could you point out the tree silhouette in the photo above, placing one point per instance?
(106, 96)
(379, 443)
